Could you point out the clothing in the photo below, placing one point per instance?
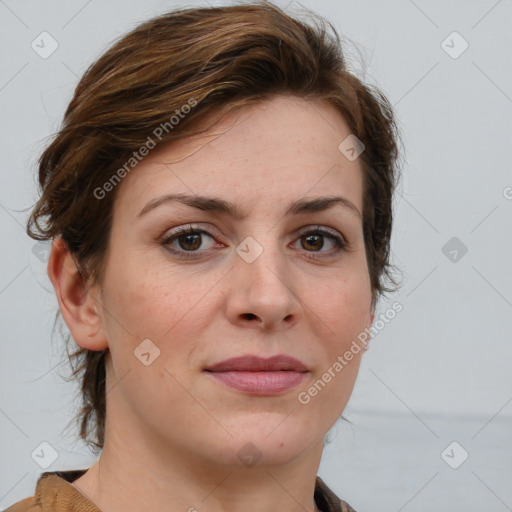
(54, 493)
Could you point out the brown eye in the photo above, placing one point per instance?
(189, 242)
(186, 242)
(313, 241)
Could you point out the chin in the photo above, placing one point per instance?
(270, 442)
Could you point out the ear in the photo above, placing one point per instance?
(369, 322)
(371, 311)
(79, 307)
(371, 316)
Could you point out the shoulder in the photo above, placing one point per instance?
(345, 507)
(26, 505)
(327, 501)
(54, 492)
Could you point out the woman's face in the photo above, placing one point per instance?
(270, 281)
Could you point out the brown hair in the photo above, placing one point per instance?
(212, 60)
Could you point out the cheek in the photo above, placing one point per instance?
(343, 307)
(346, 314)
(144, 299)
(148, 302)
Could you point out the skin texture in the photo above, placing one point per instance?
(173, 432)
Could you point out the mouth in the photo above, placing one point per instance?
(260, 376)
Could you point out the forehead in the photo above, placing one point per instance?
(261, 156)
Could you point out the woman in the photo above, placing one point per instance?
(219, 200)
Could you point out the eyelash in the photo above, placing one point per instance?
(339, 241)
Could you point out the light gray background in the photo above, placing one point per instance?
(439, 372)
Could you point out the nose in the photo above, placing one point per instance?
(262, 293)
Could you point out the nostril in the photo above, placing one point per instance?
(249, 316)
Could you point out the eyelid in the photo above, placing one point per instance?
(185, 228)
(323, 229)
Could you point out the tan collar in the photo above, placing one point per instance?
(54, 494)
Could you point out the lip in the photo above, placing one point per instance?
(260, 376)
(250, 363)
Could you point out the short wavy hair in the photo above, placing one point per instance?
(217, 59)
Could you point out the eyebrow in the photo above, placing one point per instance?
(217, 205)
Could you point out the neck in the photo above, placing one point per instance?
(128, 478)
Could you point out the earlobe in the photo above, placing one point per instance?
(80, 309)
